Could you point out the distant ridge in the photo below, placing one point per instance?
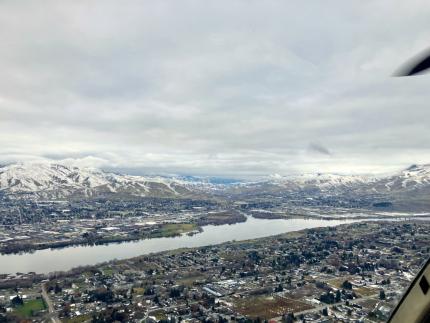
(58, 181)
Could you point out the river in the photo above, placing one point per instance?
(50, 260)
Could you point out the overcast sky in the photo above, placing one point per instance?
(234, 88)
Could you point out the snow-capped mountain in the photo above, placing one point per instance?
(49, 180)
(409, 186)
(412, 178)
(54, 181)
(320, 181)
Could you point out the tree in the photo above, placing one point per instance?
(222, 319)
(347, 285)
(325, 311)
(57, 289)
(386, 281)
(289, 318)
(156, 299)
(103, 295)
(17, 301)
(149, 291)
(174, 293)
(279, 288)
(328, 298)
(338, 296)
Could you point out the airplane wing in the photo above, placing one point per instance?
(416, 65)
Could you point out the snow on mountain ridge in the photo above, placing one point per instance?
(409, 179)
(59, 181)
(321, 180)
(67, 180)
(413, 177)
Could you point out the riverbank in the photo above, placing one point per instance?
(90, 239)
(106, 231)
(41, 261)
(151, 230)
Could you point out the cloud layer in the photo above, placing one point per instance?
(237, 88)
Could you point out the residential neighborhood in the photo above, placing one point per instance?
(352, 272)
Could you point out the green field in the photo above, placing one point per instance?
(30, 307)
(173, 229)
(107, 271)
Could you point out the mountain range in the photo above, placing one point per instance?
(57, 181)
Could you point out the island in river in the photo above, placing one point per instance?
(111, 230)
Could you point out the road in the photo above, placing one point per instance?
(52, 314)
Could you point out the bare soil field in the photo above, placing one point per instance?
(269, 307)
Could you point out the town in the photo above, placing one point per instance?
(28, 225)
(351, 272)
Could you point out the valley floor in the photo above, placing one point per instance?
(344, 273)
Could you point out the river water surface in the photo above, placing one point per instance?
(49, 260)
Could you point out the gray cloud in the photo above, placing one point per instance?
(236, 88)
(319, 148)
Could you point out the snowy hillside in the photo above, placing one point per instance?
(48, 180)
(408, 184)
(320, 181)
(414, 177)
